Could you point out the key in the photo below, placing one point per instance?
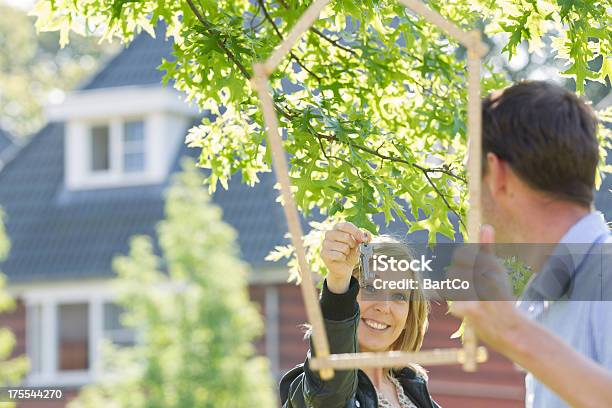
(365, 253)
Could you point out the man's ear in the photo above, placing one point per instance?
(496, 176)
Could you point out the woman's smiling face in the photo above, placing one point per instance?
(381, 322)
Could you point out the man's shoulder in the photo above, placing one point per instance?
(592, 280)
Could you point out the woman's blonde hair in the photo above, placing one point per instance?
(411, 338)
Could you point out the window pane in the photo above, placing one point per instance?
(34, 336)
(133, 132)
(100, 149)
(133, 162)
(114, 330)
(73, 336)
(133, 147)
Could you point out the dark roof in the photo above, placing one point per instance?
(136, 65)
(6, 140)
(57, 234)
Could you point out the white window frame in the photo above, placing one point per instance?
(49, 299)
(167, 117)
(116, 128)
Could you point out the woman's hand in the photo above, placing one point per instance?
(340, 253)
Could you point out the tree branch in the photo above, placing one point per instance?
(320, 34)
(398, 160)
(333, 42)
(424, 170)
(220, 43)
(280, 35)
(329, 157)
(443, 197)
(252, 22)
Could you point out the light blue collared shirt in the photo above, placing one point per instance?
(585, 325)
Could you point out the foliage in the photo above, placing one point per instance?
(191, 310)
(371, 100)
(519, 274)
(312, 244)
(34, 70)
(605, 143)
(12, 369)
(583, 34)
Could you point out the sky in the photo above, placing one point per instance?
(24, 4)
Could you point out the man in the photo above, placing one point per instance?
(540, 155)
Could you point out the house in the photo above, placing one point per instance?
(94, 177)
(87, 182)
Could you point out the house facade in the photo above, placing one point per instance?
(95, 176)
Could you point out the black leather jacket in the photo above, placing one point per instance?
(302, 387)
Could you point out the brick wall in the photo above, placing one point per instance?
(496, 382)
(258, 295)
(292, 316)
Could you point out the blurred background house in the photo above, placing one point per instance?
(94, 176)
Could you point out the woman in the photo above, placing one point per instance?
(376, 325)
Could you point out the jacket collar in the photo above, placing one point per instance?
(414, 385)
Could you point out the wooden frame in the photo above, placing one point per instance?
(469, 355)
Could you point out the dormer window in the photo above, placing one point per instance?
(123, 136)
